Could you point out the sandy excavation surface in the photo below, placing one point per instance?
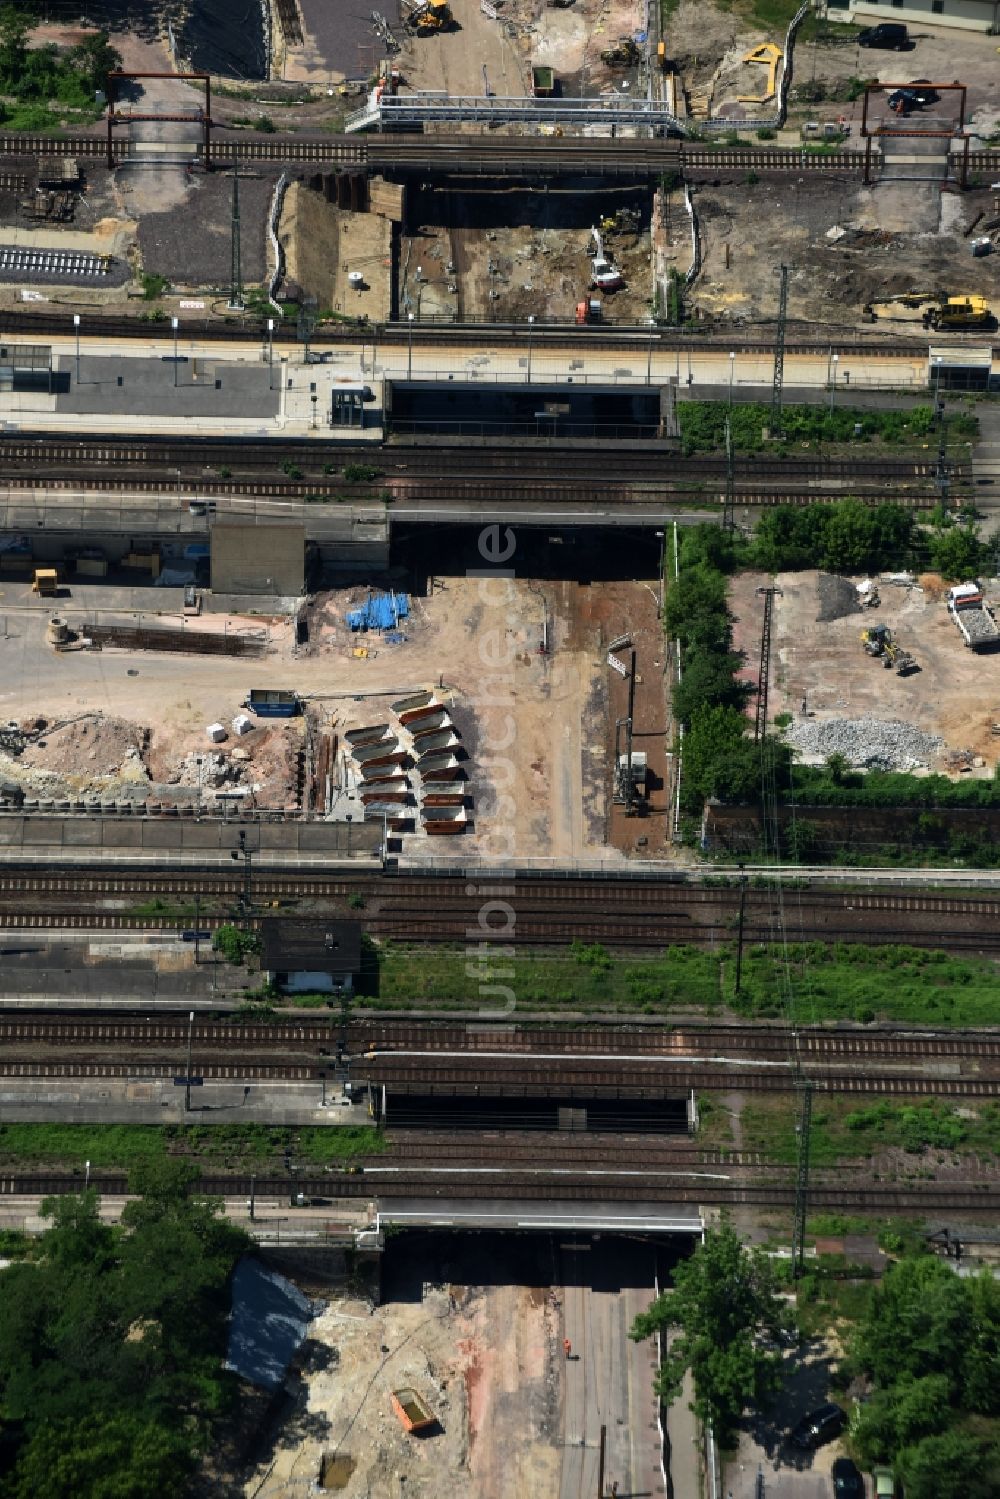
(483, 1359)
(534, 726)
(955, 694)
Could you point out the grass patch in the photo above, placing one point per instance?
(703, 424)
(715, 1124)
(842, 981)
(119, 1146)
(848, 981)
(223, 1147)
(585, 978)
(843, 1132)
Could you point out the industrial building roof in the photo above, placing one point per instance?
(311, 946)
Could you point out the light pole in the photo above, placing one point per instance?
(242, 851)
(76, 325)
(86, 1180)
(409, 357)
(270, 353)
(835, 360)
(187, 1070)
(173, 324)
(662, 538)
(937, 389)
(732, 369)
(531, 326)
(649, 352)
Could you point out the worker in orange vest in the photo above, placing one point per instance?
(567, 1347)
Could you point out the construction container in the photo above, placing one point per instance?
(543, 82)
(145, 562)
(412, 716)
(413, 1412)
(91, 565)
(45, 582)
(370, 735)
(415, 700)
(362, 753)
(270, 702)
(16, 561)
(441, 821)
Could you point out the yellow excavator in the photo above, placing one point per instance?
(624, 54)
(960, 312)
(428, 16)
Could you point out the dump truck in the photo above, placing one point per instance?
(973, 616)
(957, 313)
(45, 582)
(414, 1413)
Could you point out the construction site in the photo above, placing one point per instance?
(362, 705)
(892, 673)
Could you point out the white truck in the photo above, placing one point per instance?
(973, 616)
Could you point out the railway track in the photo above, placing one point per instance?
(590, 156)
(550, 911)
(920, 1197)
(364, 1037)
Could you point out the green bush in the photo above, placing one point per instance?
(235, 944)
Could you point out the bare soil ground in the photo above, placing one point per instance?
(899, 236)
(537, 728)
(485, 1359)
(955, 694)
(521, 253)
(323, 244)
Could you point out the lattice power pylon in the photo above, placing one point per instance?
(763, 674)
(778, 384)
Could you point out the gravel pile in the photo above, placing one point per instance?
(870, 743)
(837, 597)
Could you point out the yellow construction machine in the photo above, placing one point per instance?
(624, 54)
(959, 313)
(428, 16)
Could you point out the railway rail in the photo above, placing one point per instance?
(590, 156)
(550, 910)
(385, 1039)
(919, 1197)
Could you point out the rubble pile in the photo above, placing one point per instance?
(868, 743)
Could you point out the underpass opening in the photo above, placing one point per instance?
(478, 1110)
(582, 550)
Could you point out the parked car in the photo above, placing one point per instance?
(821, 1425)
(925, 94)
(847, 1481)
(884, 1483)
(889, 35)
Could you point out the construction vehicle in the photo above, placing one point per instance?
(878, 641)
(45, 582)
(973, 616)
(588, 311)
(624, 54)
(895, 658)
(875, 639)
(604, 274)
(958, 313)
(428, 16)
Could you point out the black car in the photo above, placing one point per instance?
(847, 1481)
(890, 35)
(820, 1426)
(902, 100)
(921, 88)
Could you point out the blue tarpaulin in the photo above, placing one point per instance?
(270, 1318)
(383, 611)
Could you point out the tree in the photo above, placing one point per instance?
(120, 1456)
(15, 28)
(93, 60)
(911, 1410)
(952, 1465)
(918, 1323)
(956, 553)
(723, 1298)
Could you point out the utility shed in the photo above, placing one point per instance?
(306, 957)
